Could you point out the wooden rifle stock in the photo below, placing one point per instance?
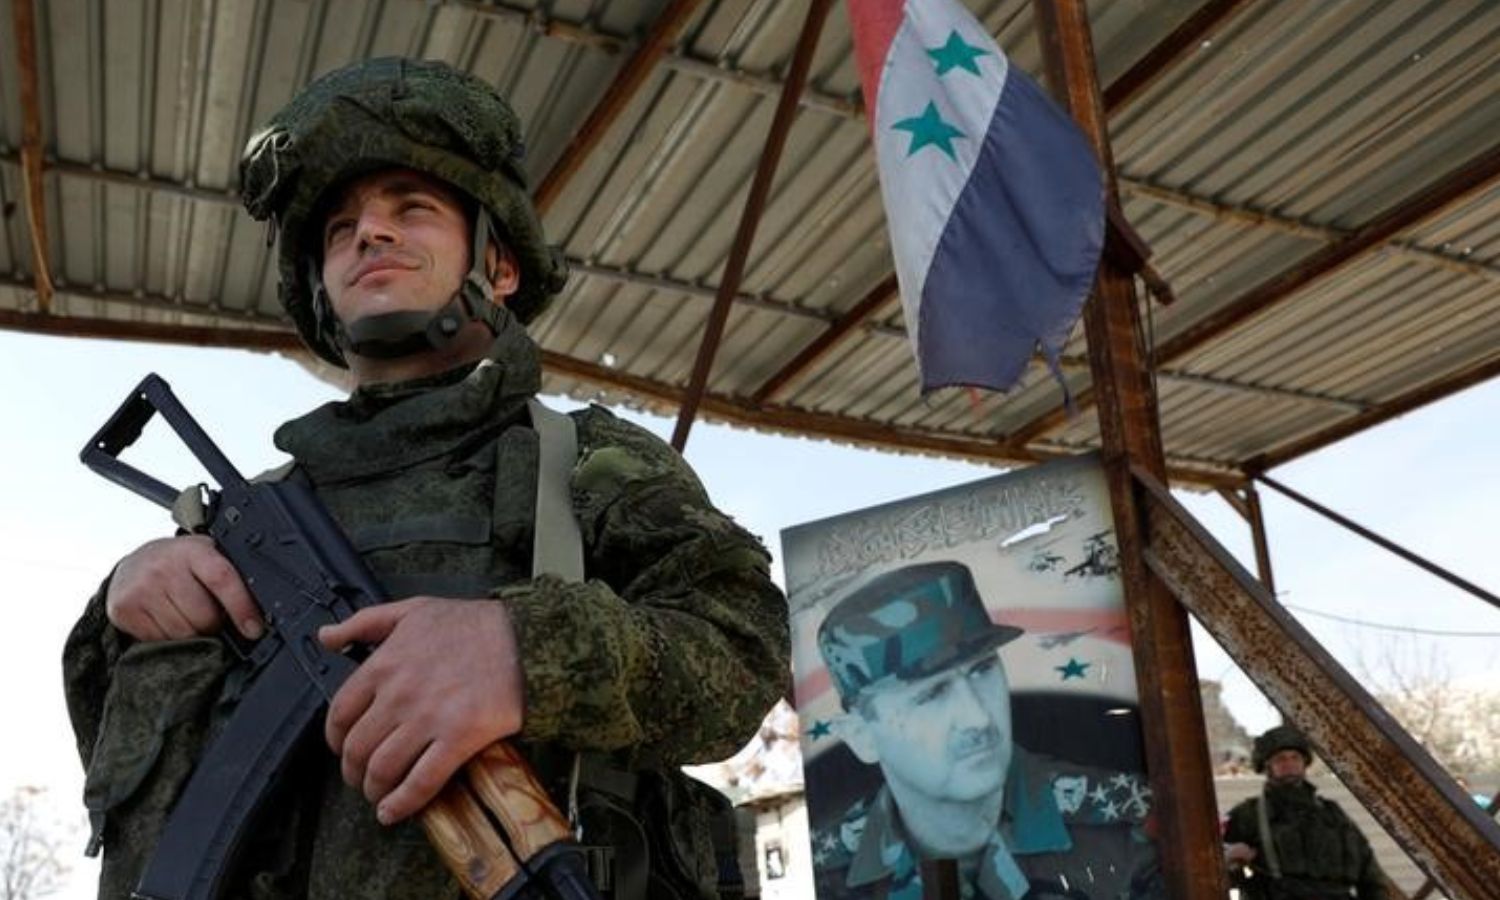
(491, 821)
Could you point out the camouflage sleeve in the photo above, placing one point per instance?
(677, 642)
(89, 657)
(1240, 826)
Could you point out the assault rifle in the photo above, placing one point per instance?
(493, 824)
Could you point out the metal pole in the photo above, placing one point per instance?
(1258, 536)
(1367, 534)
(760, 190)
(1171, 708)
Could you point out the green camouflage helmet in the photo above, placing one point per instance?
(378, 114)
(1282, 737)
(907, 624)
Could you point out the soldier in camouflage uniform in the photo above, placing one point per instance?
(1291, 844)
(915, 659)
(410, 252)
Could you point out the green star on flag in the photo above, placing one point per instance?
(956, 54)
(929, 129)
(1074, 669)
(819, 729)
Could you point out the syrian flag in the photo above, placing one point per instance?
(993, 197)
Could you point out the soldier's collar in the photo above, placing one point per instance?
(382, 429)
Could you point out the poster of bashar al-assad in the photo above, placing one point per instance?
(966, 690)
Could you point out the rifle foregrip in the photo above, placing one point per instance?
(495, 789)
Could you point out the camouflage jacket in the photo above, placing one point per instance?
(669, 652)
(1064, 831)
(1319, 851)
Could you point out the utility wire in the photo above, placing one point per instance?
(1384, 627)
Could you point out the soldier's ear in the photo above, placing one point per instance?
(856, 734)
(503, 269)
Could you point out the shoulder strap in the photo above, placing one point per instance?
(1267, 839)
(557, 548)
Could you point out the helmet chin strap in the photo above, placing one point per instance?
(407, 332)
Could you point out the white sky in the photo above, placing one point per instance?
(1428, 481)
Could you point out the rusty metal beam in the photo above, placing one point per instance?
(785, 419)
(840, 327)
(1417, 398)
(834, 335)
(1383, 543)
(1408, 792)
(573, 32)
(1172, 724)
(24, 20)
(275, 334)
(800, 422)
(1184, 40)
(755, 203)
(1256, 218)
(151, 332)
(627, 83)
(1257, 517)
(1474, 177)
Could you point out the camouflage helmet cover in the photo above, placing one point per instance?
(907, 624)
(1282, 737)
(385, 113)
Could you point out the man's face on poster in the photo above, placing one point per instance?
(946, 736)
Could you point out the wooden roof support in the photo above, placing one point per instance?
(755, 203)
(1172, 723)
(1184, 40)
(834, 335)
(31, 151)
(1477, 176)
(627, 83)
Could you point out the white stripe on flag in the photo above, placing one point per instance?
(921, 188)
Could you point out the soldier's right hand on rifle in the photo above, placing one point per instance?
(179, 587)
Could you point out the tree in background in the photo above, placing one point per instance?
(29, 862)
(1458, 723)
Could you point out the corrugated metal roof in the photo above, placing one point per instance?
(1286, 129)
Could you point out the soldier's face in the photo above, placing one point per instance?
(397, 240)
(1286, 766)
(947, 736)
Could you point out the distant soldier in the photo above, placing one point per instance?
(1291, 844)
(916, 662)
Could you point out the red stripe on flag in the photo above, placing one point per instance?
(874, 24)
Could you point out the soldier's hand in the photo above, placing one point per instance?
(1238, 854)
(179, 587)
(443, 683)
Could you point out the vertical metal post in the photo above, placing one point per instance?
(1258, 535)
(1171, 709)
